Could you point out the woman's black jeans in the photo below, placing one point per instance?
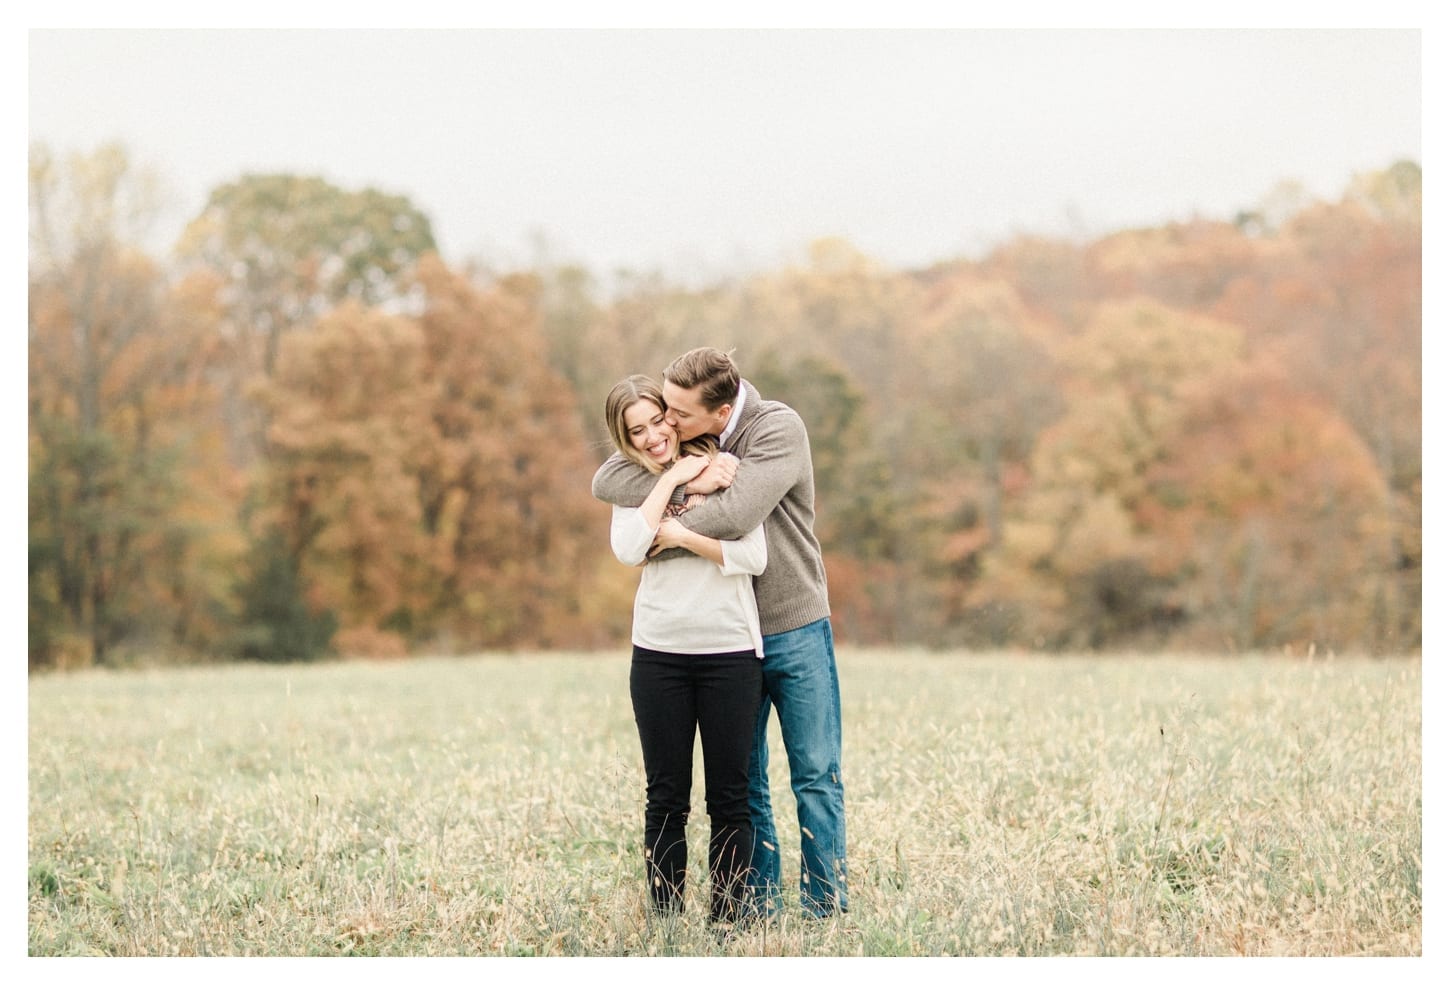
(673, 694)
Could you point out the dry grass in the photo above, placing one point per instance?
(491, 806)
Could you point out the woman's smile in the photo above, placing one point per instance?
(648, 431)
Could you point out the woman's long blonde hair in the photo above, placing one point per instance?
(624, 395)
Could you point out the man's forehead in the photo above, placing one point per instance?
(679, 398)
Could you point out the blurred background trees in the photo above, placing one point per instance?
(130, 498)
(305, 433)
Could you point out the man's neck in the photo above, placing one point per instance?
(727, 428)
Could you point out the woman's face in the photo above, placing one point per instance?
(644, 424)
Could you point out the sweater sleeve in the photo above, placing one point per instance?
(621, 482)
(624, 484)
(773, 464)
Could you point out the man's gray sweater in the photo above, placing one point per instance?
(774, 485)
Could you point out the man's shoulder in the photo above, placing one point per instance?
(776, 411)
(758, 406)
(772, 417)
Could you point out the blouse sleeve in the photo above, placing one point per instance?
(629, 535)
(745, 556)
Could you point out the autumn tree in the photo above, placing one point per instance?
(842, 302)
(1052, 277)
(1337, 298)
(983, 388)
(350, 412)
(1076, 538)
(1270, 512)
(287, 248)
(131, 528)
(504, 480)
(1206, 434)
(569, 311)
(858, 520)
(1186, 265)
(1394, 195)
(428, 473)
(822, 335)
(647, 324)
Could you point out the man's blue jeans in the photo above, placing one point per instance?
(800, 683)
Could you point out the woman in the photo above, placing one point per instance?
(696, 658)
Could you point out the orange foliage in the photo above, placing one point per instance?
(132, 519)
(429, 472)
(1273, 503)
(1204, 434)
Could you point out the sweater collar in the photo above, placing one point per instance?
(737, 412)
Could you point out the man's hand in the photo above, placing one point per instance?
(718, 475)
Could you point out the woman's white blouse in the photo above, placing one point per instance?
(690, 604)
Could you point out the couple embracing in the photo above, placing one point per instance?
(713, 492)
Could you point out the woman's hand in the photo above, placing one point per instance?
(719, 475)
(656, 505)
(687, 468)
(672, 533)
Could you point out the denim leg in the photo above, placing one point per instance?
(800, 677)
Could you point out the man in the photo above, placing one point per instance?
(773, 483)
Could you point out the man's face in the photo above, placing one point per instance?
(687, 415)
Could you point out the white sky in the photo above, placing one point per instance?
(709, 151)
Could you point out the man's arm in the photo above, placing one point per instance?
(633, 531)
(773, 464)
(621, 482)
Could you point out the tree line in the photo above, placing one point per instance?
(303, 432)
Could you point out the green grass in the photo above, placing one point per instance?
(996, 805)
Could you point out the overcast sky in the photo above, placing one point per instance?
(708, 151)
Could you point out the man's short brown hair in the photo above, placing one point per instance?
(710, 369)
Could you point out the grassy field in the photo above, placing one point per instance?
(492, 806)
